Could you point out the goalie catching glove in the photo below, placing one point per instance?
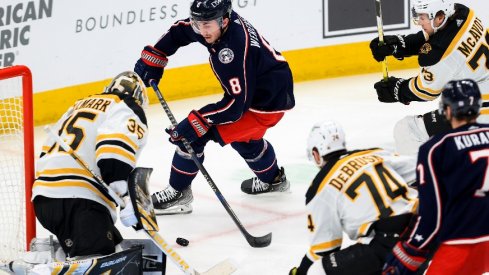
(191, 128)
(151, 65)
(393, 45)
(404, 260)
(390, 91)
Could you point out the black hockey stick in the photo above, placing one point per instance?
(380, 29)
(262, 241)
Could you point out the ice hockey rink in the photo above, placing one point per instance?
(212, 234)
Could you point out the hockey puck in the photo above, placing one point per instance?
(182, 241)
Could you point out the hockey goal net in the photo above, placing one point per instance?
(17, 220)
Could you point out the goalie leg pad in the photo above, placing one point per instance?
(410, 133)
(124, 262)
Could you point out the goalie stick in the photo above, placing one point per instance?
(104, 188)
(262, 241)
(143, 206)
(380, 30)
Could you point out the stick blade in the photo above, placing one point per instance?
(225, 267)
(262, 241)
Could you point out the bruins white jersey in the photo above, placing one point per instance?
(108, 132)
(458, 51)
(353, 191)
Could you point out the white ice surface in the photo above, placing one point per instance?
(212, 234)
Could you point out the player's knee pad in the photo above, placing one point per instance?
(183, 169)
(409, 133)
(251, 151)
(260, 157)
(181, 152)
(198, 147)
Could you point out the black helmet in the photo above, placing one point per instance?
(463, 97)
(206, 10)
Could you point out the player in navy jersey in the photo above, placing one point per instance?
(453, 193)
(258, 89)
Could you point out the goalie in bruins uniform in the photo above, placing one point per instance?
(362, 193)
(108, 131)
(452, 45)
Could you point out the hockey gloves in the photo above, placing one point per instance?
(404, 260)
(127, 215)
(119, 187)
(393, 45)
(151, 65)
(191, 128)
(389, 91)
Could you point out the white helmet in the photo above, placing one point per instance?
(431, 7)
(129, 83)
(326, 137)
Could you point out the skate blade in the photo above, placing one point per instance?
(175, 210)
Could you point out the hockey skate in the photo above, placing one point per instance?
(255, 186)
(170, 201)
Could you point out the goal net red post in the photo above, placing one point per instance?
(17, 219)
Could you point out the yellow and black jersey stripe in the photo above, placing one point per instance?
(68, 180)
(423, 93)
(116, 146)
(485, 105)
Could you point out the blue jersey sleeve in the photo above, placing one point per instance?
(180, 34)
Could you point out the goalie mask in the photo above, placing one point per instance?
(431, 8)
(326, 137)
(129, 83)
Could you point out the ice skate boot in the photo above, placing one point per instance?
(170, 201)
(255, 186)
